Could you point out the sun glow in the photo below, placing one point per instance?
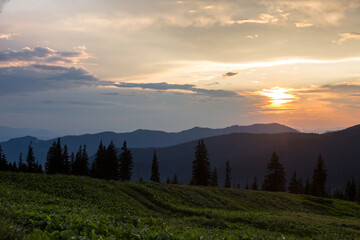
(278, 96)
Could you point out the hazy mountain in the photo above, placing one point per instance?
(7, 133)
(136, 139)
(250, 153)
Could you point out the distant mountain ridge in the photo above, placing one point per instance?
(248, 152)
(7, 133)
(136, 139)
(249, 155)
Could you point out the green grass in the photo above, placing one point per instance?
(67, 207)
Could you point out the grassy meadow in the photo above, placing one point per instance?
(35, 206)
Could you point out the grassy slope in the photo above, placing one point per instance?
(61, 207)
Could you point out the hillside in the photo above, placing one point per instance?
(137, 139)
(250, 153)
(61, 207)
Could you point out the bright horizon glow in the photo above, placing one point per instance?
(278, 96)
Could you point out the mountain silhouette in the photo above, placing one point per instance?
(250, 153)
(137, 139)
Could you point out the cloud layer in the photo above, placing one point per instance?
(163, 86)
(42, 55)
(34, 78)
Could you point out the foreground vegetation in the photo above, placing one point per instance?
(36, 206)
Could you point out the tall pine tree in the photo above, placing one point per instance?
(66, 160)
(275, 179)
(21, 165)
(80, 165)
(50, 165)
(111, 162)
(294, 185)
(255, 186)
(30, 160)
(201, 165)
(318, 187)
(155, 175)
(126, 163)
(4, 166)
(227, 175)
(98, 168)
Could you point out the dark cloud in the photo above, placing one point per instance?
(229, 74)
(80, 103)
(41, 54)
(32, 78)
(189, 87)
(346, 87)
(156, 86)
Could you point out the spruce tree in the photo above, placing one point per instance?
(84, 167)
(98, 168)
(294, 185)
(111, 163)
(38, 168)
(30, 160)
(4, 166)
(254, 186)
(72, 161)
(155, 175)
(21, 165)
(275, 179)
(50, 164)
(126, 163)
(168, 180)
(319, 179)
(214, 178)
(227, 183)
(247, 186)
(66, 159)
(80, 165)
(201, 165)
(58, 158)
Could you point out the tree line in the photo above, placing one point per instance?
(108, 165)
(275, 180)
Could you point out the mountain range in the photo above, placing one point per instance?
(137, 139)
(248, 148)
(249, 155)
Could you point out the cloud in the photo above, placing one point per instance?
(42, 55)
(80, 103)
(347, 36)
(252, 36)
(229, 74)
(34, 78)
(2, 3)
(344, 87)
(263, 18)
(7, 36)
(303, 24)
(319, 12)
(163, 86)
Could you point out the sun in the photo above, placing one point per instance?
(278, 96)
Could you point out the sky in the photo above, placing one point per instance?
(73, 67)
